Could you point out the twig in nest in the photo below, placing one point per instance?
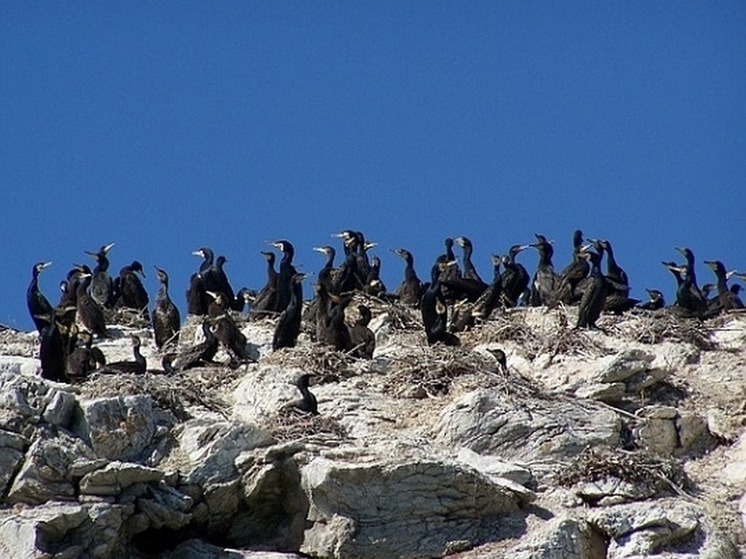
(632, 467)
(291, 425)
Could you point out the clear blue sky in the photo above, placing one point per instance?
(166, 126)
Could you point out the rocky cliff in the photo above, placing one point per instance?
(589, 445)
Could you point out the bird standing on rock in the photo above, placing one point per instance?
(39, 306)
(592, 302)
(165, 317)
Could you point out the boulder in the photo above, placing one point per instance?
(46, 471)
(526, 430)
(12, 447)
(622, 366)
(563, 537)
(116, 476)
(118, 428)
(383, 509)
(665, 528)
(273, 507)
(64, 530)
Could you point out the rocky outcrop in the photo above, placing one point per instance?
(424, 508)
(587, 446)
(526, 429)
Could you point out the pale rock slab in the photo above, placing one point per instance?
(527, 430)
(118, 428)
(399, 509)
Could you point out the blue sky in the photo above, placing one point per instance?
(168, 126)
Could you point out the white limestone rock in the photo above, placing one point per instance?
(648, 529)
(527, 430)
(384, 509)
(118, 428)
(46, 471)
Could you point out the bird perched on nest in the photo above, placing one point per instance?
(226, 329)
(195, 356)
(500, 357)
(129, 292)
(307, 403)
(138, 366)
(656, 301)
(362, 338)
(83, 359)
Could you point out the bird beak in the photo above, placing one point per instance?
(198, 253)
(107, 248)
(46, 265)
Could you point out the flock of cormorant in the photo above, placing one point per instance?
(90, 298)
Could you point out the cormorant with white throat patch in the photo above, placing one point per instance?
(38, 305)
(102, 286)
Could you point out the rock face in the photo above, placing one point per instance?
(587, 446)
(528, 429)
(421, 509)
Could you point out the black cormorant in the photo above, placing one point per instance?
(138, 366)
(102, 286)
(410, 290)
(434, 310)
(501, 359)
(330, 318)
(39, 306)
(307, 403)
(196, 296)
(84, 359)
(166, 318)
(656, 301)
(573, 274)
(330, 254)
(469, 272)
(592, 302)
(224, 285)
(695, 301)
(515, 279)
(225, 328)
(373, 284)
(89, 313)
(52, 350)
(200, 282)
(545, 278)
(362, 338)
(265, 303)
(129, 292)
(490, 299)
(288, 325)
(726, 300)
(195, 356)
(617, 284)
(285, 275)
(347, 277)
(451, 273)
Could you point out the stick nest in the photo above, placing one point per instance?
(293, 425)
(639, 468)
(432, 372)
(654, 328)
(198, 387)
(323, 361)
